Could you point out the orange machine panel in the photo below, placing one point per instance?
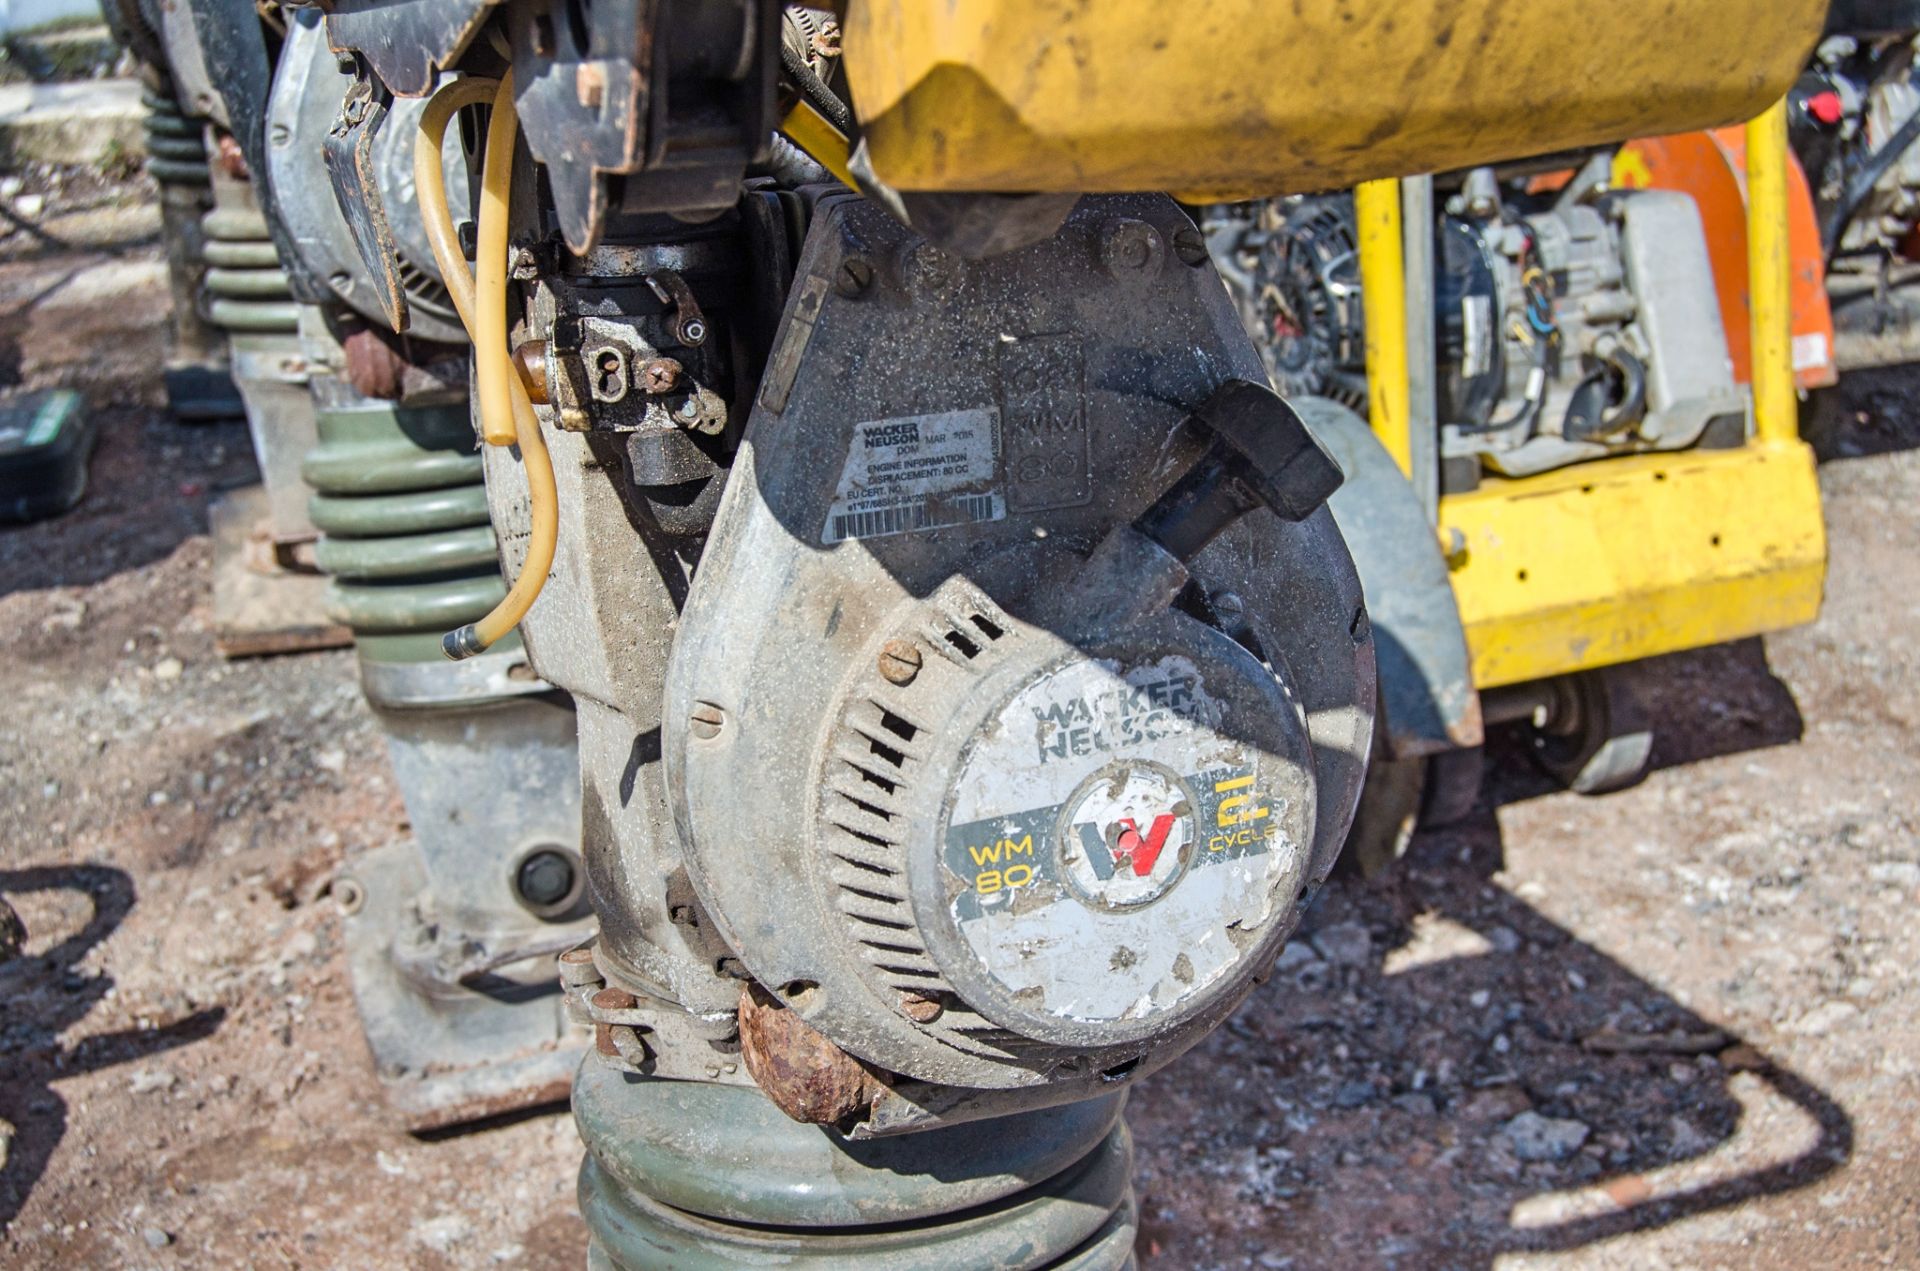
(1712, 167)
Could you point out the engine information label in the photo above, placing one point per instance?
(919, 472)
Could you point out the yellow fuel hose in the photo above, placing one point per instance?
(506, 411)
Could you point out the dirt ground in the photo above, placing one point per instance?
(1675, 1027)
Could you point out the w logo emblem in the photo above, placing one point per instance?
(1123, 847)
(1128, 835)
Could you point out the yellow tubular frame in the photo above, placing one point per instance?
(1383, 286)
(1770, 280)
(808, 128)
(506, 410)
(1626, 558)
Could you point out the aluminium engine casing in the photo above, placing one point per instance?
(937, 446)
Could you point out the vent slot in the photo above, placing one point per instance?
(871, 809)
(967, 648)
(853, 910)
(880, 871)
(988, 627)
(863, 835)
(854, 851)
(896, 725)
(902, 950)
(877, 780)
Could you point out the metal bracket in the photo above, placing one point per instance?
(348, 151)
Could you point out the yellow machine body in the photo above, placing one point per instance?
(1280, 96)
(1627, 558)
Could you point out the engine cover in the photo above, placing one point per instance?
(984, 811)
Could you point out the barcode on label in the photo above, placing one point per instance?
(878, 523)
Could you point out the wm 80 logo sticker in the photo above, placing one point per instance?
(1124, 840)
(995, 866)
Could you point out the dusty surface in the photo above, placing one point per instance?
(1433, 1079)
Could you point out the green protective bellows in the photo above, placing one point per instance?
(241, 253)
(695, 1176)
(245, 289)
(401, 503)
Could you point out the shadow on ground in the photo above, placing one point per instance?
(44, 994)
(1438, 1074)
(1871, 412)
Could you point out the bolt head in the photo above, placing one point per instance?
(900, 662)
(613, 999)
(693, 331)
(545, 878)
(1131, 247)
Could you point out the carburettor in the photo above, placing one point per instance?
(1584, 327)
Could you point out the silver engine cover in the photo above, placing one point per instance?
(970, 838)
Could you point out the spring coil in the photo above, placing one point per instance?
(176, 148)
(401, 505)
(245, 289)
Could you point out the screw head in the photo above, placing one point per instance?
(1190, 245)
(1228, 606)
(855, 276)
(920, 1008)
(659, 375)
(900, 662)
(706, 720)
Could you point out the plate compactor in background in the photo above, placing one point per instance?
(1580, 449)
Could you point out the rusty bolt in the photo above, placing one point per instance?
(855, 276)
(578, 972)
(920, 1008)
(706, 720)
(659, 375)
(1190, 246)
(900, 661)
(613, 999)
